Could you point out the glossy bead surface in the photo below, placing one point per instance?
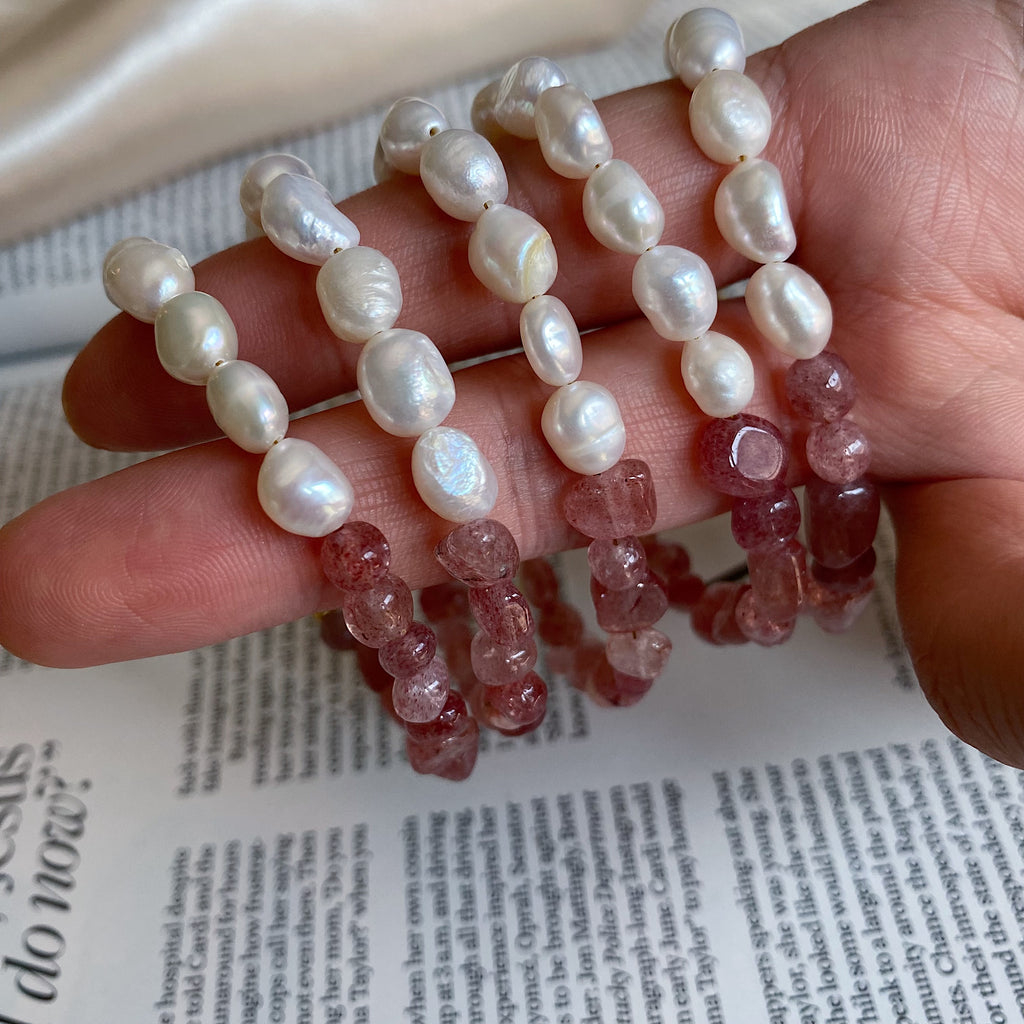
(514, 708)
(451, 756)
(841, 520)
(300, 218)
(620, 502)
(379, 614)
(570, 131)
(359, 292)
(729, 117)
(702, 41)
(551, 340)
(407, 125)
(822, 388)
(409, 653)
(839, 451)
(382, 169)
(778, 578)
(583, 425)
(479, 553)
(512, 254)
(453, 477)
(621, 212)
(420, 697)
(836, 611)
(355, 557)
(642, 653)
(718, 374)
(743, 456)
(518, 91)
(635, 607)
(461, 172)
(617, 562)
(713, 617)
(848, 579)
(481, 113)
(676, 291)
(752, 214)
(497, 664)
(263, 171)
(302, 490)
(247, 405)
(502, 612)
(194, 333)
(765, 519)
(140, 275)
(790, 309)
(406, 386)
(759, 627)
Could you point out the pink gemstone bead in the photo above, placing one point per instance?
(743, 455)
(449, 721)
(616, 503)
(539, 582)
(479, 553)
(714, 616)
(841, 520)
(617, 689)
(335, 633)
(421, 696)
(561, 625)
(496, 665)
(451, 757)
(502, 611)
(766, 519)
(850, 578)
(356, 556)
(444, 601)
(641, 654)
(412, 651)
(838, 451)
(618, 562)
(757, 627)
(621, 611)
(822, 388)
(369, 668)
(514, 708)
(778, 579)
(379, 614)
(835, 611)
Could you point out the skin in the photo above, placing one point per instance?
(900, 134)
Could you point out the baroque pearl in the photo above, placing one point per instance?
(517, 95)
(729, 117)
(582, 424)
(718, 374)
(702, 41)
(461, 172)
(193, 334)
(620, 210)
(551, 340)
(481, 113)
(247, 405)
(140, 275)
(752, 213)
(300, 218)
(406, 386)
(512, 254)
(572, 136)
(676, 291)
(360, 293)
(407, 125)
(452, 475)
(301, 490)
(260, 174)
(790, 309)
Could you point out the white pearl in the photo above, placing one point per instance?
(262, 173)
(512, 254)
(461, 171)
(481, 114)
(453, 477)
(382, 170)
(752, 213)
(407, 125)
(551, 340)
(140, 275)
(620, 210)
(300, 218)
(247, 405)
(302, 490)
(360, 293)
(572, 135)
(193, 334)
(790, 309)
(702, 41)
(676, 291)
(405, 384)
(518, 92)
(729, 117)
(584, 427)
(718, 374)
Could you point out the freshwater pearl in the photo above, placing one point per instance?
(752, 214)
(512, 254)
(382, 170)
(481, 113)
(301, 490)
(582, 424)
(193, 334)
(676, 291)
(260, 174)
(790, 309)
(703, 41)
(300, 218)
(518, 92)
(729, 117)
(551, 340)
(620, 210)
(407, 125)
(453, 477)
(718, 374)
(570, 131)
(406, 386)
(247, 405)
(140, 275)
(360, 293)
(461, 172)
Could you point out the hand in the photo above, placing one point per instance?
(900, 135)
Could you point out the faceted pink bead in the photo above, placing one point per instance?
(588, 656)
(822, 388)
(442, 601)
(410, 652)
(479, 553)
(621, 611)
(743, 455)
(778, 579)
(447, 722)
(616, 503)
(514, 708)
(642, 653)
(757, 627)
(766, 519)
(560, 625)
(838, 452)
(421, 696)
(835, 611)
(714, 616)
(841, 520)
(335, 633)
(850, 578)
(379, 614)
(502, 611)
(539, 582)
(618, 562)
(451, 757)
(496, 665)
(617, 689)
(369, 668)
(356, 556)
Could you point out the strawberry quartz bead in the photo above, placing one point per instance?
(335, 633)
(612, 688)
(641, 654)
(671, 563)
(619, 502)
(496, 665)
(447, 745)
(443, 601)
(514, 708)
(502, 612)
(836, 610)
(539, 583)
(412, 651)
(421, 696)
(838, 452)
(758, 627)
(479, 553)
(381, 613)
(822, 388)
(743, 455)
(766, 519)
(356, 556)
(850, 578)
(841, 520)
(778, 579)
(617, 563)
(714, 616)
(636, 607)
